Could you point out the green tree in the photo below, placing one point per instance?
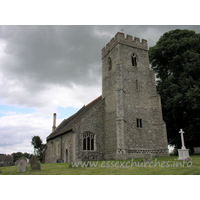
(17, 156)
(176, 61)
(38, 146)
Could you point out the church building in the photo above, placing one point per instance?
(125, 121)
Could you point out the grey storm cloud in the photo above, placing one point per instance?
(51, 54)
(41, 56)
(37, 63)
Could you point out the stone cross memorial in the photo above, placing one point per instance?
(183, 153)
(182, 139)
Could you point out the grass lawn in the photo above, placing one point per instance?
(168, 166)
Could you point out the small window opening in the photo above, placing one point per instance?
(134, 63)
(84, 143)
(137, 86)
(88, 143)
(109, 64)
(92, 144)
(139, 123)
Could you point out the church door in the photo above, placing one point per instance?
(66, 156)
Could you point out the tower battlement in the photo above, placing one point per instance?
(128, 40)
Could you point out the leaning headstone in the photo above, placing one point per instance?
(35, 165)
(147, 157)
(22, 165)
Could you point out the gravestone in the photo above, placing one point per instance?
(147, 157)
(1, 163)
(197, 150)
(35, 165)
(0, 172)
(22, 165)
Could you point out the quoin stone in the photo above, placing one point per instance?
(125, 121)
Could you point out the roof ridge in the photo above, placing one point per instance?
(73, 119)
(93, 100)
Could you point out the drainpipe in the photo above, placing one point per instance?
(54, 122)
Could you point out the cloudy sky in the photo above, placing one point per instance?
(47, 69)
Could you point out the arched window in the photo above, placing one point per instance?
(134, 60)
(109, 64)
(88, 141)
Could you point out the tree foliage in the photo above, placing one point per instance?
(176, 60)
(18, 155)
(38, 146)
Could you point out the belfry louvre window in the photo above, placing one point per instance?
(88, 141)
(134, 60)
(138, 123)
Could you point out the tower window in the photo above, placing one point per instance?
(134, 60)
(88, 141)
(109, 64)
(137, 86)
(138, 123)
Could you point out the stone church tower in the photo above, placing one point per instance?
(123, 123)
(133, 114)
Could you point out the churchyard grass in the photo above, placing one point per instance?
(168, 168)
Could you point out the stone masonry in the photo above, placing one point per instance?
(126, 121)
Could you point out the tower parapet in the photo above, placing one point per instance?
(128, 40)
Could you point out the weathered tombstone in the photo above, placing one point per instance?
(1, 163)
(35, 165)
(147, 157)
(0, 172)
(22, 165)
(197, 150)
